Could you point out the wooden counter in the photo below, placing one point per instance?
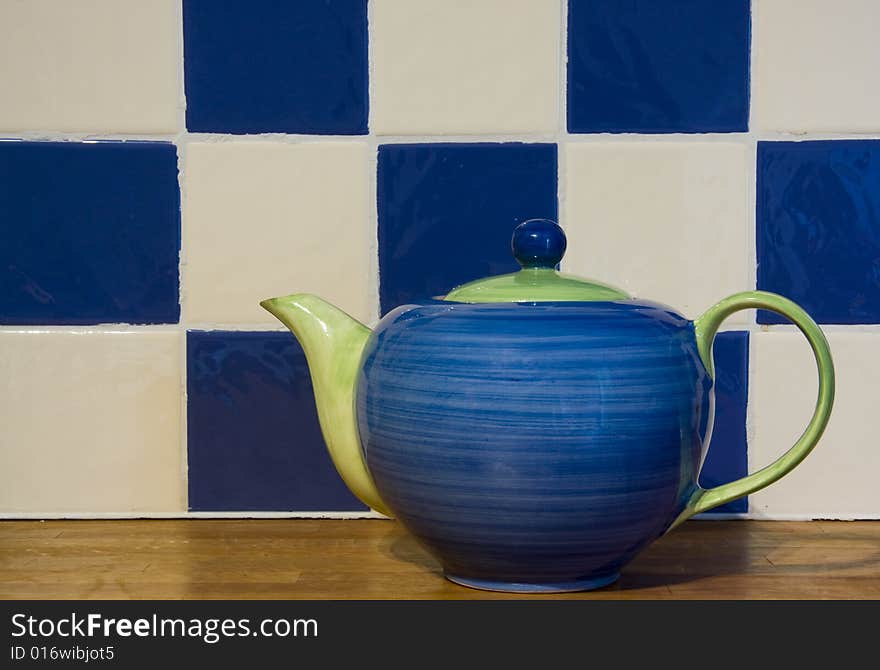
(365, 559)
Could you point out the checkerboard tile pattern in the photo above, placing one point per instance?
(166, 165)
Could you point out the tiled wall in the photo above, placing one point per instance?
(167, 164)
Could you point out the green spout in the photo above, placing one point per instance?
(333, 343)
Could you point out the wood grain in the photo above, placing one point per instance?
(364, 559)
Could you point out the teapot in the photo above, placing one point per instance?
(533, 430)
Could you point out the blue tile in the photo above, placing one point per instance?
(447, 212)
(89, 233)
(265, 66)
(678, 66)
(253, 436)
(727, 459)
(818, 236)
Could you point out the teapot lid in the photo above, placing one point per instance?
(538, 245)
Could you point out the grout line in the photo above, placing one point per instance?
(370, 70)
(562, 72)
(655, 139)
(106, 328)
(751, 222)
(275, 138)
(141, 328)
(181, 143)
(123, 328)
(484, 138)
(562, 193)
(561, 122)
(561, 156)
(764, 136)
(10, 516)
(754, 515)
(652, 138)
(478, 137)
(244, 327)
(372, 168)
(720, 516)
(183, 427)
(60, 136)
(806, 516)
(751, 431)
(826, 327)
(751, 253)
(751, 69)
(373, 219)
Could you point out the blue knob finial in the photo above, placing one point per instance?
(538, 243)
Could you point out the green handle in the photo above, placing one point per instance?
(706, 327)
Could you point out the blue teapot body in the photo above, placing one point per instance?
(534, 446)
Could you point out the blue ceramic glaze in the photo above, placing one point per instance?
(677, 66)
(538, 243)
(728, 460)
(276, 67)
(253, 438)
(818, 227)
(538, 446)
(89, 233)
(446, 212)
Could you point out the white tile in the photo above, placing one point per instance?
(101, 66)
(815, 66)
(90, 422)
(839, 478)
(264, 219)
(665, 221)
(490, 66)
